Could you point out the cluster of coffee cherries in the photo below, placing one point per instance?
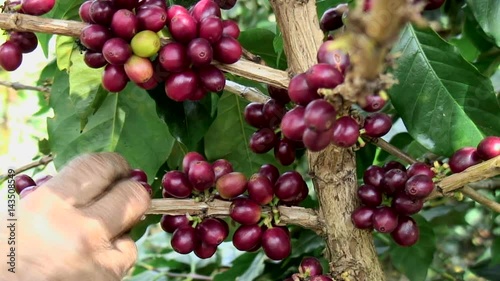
(404, 191)
(466, 157)
(19, 43)
(124, 36)
(309, 269)
(24, 184)
(206, 181)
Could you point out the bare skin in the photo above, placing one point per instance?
(74, 226)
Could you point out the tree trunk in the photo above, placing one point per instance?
(350, 251)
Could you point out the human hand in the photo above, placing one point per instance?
(73, 226)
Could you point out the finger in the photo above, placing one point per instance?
(120, 208)
(120, 258)
(84, 178)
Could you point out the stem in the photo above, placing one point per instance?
(19, 86)
(41, 162)
(303, 217)
(391, 149)
(479, 198)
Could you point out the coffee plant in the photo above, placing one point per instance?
(283, 140)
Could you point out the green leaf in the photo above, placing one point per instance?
(229, 135)
(259, 41)
(85, 87)
(44, 146)
(125, 123)
(444, 101)
(307, 242)
(64, 49)
(495, 250)
(487, 13)
(245, 268)
(323, 5)
(414, 261)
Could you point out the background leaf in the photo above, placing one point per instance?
(443, 100)
(260, 42)
(245, 268)
(487, 13)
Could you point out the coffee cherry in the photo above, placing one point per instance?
(184, 240)
(175, 10)
(27, 41)
(406, 233)
(370, 195)
(181, 86)
(84, 11)
(323, 75)
(114, 78)
(201, 175)
(276, 243)
(293, 124)
(152, 18)
(320, 278)
(434, 4)
(300, 92)
(124, 24)
(373, 103)
(94, 36)
(211, 78)
(393, 181)
(377, 125)
(316, 140)
(332, 18)
(176, 184)
(173, 57)
(254, 115)
(385, 219)
(263, 140)
(212, 231)
(226, 4)
(148, 3)
(329, 53)
(489, 148)
(270, 171)
(190, 158)
(205, 8)
(345, 132)
(319, 115)
(37, 7)
(463, 159)
(125, 4)
(101, 12)
(247, 237)
(221, 167)
(419, 186)
(228, 50)
(289, 186)
(139, 70)
(245, 211)
(198, 94)
(420, 168)
(230, 28)
(373, 175)
(284, 151)
(170, 223)
(211, 29)
(138, 175)
(117, 51)
(231, 185)
(362, 217)
(94, 59)
(11, 56)
(200, 52)
(310, 267)
(394, 165)
(183, 28)
(273, 112)
(22, 181)
(260, 189)
(278, 94)
(204, 250)
(145, 44)
(405, 205)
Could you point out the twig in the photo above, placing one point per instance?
(248, 93)
(391, 149)
(491, 183)
(41, 162)
(303, 217)
(479, 198)
(19, 86)
(243, 68)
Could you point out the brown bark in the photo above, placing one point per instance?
(350, 251)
